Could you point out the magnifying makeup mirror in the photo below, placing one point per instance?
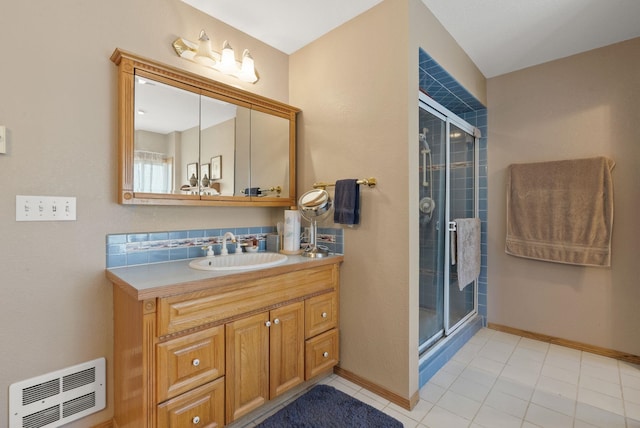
(314, 205)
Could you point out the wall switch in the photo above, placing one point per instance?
(45, 208)
(3, 139)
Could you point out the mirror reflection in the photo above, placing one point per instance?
(269, 140)
(166, 126)
(184, 141)
(221, 126)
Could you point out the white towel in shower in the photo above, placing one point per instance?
(468, 250)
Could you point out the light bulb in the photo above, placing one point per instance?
(204, 55)
(228, 60)
(248, 70)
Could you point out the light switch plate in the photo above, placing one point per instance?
(45, 208)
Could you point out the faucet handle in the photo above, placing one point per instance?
(209, 250)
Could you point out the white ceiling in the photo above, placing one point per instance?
(500, 36)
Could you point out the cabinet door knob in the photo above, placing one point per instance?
(324, 315)
(195, 362)
(196, 420)
(325, 354)
(276, 321)
(268, 323)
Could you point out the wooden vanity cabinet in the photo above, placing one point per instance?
(212, 354)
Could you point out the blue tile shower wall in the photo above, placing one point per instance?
(130, 249)
(447, 91)
(443, 88)
(479, 120)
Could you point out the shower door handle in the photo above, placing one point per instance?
(453, 227)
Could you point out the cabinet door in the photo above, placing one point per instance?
(286, 340)
(247, 351)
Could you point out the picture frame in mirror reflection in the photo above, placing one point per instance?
(216, 168)
(204, 171)
(192, 171)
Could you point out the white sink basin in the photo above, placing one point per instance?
(240, 261)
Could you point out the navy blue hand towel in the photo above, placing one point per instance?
(347, 202)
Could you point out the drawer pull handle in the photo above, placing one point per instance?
(268, 323)
(196, 363)
(324, 315)
(276, 321)
(325, 354)
(196, 420)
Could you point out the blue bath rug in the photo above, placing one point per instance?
(324, 406)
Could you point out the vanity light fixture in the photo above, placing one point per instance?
(224, 62)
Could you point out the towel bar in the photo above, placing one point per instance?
(370, 182)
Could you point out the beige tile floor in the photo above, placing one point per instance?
(500, 380)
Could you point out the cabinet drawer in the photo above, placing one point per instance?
(184, 311)
(190, 361)
(202, 407)
(321, 314)
(321, 353)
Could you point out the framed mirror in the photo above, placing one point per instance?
(184, 139)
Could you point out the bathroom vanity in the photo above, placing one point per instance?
(194, 348)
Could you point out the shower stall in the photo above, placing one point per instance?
(447, 191)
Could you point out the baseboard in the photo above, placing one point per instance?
(623, 356)
(377, 389)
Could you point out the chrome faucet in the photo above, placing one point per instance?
(224, 251)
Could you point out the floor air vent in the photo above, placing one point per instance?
(59, 397)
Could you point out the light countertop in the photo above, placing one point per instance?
(168, 278)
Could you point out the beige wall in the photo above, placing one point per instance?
(357, 87)
(350, 85)
(58, 90)
(582, 106)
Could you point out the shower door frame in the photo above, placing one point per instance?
(448, 117)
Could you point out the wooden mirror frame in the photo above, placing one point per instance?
(130, 65)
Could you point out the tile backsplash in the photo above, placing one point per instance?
(128, 249)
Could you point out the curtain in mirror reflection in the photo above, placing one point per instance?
(152, 172)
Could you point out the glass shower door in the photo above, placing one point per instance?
(447, 191)
(462, 204)
(432, 147)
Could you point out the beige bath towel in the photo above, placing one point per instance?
(561, 211)
(467, 250)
